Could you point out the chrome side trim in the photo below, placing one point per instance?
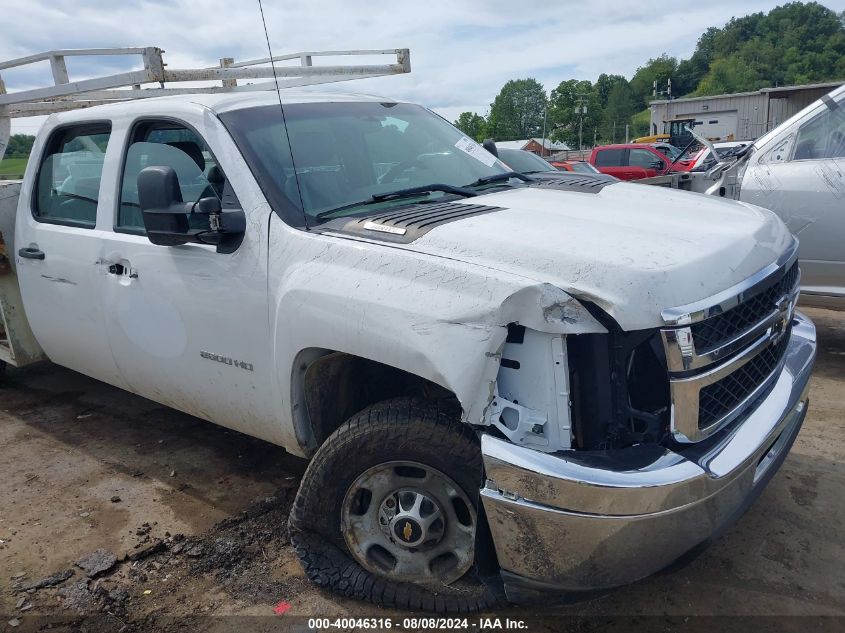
(733, 296)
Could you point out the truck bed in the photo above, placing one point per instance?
(17, 344)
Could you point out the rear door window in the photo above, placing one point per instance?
(68, 183)
(610, 158)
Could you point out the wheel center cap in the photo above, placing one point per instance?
(411, 519)
(407, 531)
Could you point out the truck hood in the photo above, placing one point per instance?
(634, 250)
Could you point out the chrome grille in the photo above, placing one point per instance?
(716, 330)
(718, 400)
(721, 355)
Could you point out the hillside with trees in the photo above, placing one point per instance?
(796, 43)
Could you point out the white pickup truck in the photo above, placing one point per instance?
(506, 386)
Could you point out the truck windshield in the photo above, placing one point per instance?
(335, 155)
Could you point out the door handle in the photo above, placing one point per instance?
(31, 252)
(122, 271)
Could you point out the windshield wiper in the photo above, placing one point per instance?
(486, 180)
(398, 194)
(415, 191)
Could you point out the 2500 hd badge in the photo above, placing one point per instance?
(226, 360)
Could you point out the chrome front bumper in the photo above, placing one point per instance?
(589, 521)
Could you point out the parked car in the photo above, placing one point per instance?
(798, 171)
(579, 166)
(538, 168)
(705, 158)
(670, 151)
(687, 159)
(505, 386)
(630, 161)
(524, 162)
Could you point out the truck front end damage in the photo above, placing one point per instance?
(609, 455)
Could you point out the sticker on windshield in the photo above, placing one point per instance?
(468, 146)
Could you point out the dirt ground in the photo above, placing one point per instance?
(191, 520)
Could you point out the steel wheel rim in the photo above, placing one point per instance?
(409, 522)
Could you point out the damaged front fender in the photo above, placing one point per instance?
(437, 318)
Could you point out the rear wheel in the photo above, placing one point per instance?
(388, 511)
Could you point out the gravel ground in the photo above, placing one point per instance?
(117, 514)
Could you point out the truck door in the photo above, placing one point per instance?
(652, 162)
(613, 161)
(59, 245)
(800, 175)
(188, 325)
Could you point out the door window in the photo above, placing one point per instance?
(610, 158)
(180, 148)
(68, 181)
(643, 158)
(824, 135)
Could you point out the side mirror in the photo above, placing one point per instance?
(167, 218)
(490, 146)
(165, 214)
(658, 165)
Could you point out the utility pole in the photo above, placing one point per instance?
(581, 110)
(545, 111)
(626, 133)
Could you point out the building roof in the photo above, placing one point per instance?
(779, 92)
(549, 144)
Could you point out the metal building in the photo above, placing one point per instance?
(741, 116)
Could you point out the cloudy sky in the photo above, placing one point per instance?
(461, 52)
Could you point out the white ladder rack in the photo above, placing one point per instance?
(66, 94)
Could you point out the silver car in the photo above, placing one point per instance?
(798, 171)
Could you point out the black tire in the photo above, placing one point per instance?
(395, 430)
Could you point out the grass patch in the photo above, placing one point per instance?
(12, 168)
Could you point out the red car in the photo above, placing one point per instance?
(580, 166)
(630, 161)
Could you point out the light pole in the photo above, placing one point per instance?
(545, 111)
(580, 110)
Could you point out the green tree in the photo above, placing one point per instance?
(792, 44)
(691, 71)
(618, 112)
(20, 145)
(604, 84)
(566, 122)
(658, 69)
(473, 125)
(517, 111)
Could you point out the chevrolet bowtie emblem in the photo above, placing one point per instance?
(407, 531)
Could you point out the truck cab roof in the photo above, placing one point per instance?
(216, 102)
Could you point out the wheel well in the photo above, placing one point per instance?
(330, 387)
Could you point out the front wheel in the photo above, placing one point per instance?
(388, 511)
